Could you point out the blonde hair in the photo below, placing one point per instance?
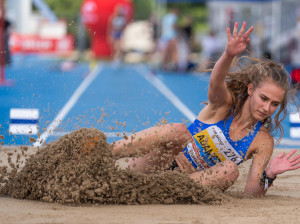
(257, 71)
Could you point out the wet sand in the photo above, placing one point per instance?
(280, 205)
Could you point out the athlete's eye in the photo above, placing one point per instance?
(263, 98)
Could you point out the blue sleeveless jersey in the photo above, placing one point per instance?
(211, 144)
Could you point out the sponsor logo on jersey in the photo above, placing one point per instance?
(214, 147)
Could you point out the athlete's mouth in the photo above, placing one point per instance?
(262, 114)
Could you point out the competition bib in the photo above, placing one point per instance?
(210, 147)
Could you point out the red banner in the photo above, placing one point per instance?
(35, 44)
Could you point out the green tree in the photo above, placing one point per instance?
(67, 10)
(142, 9)
(197, 11)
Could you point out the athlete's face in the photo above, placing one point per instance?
(265, 99)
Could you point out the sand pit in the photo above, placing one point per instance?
(86, 187)
(79, 168)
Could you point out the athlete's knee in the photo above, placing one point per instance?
(231, 170)
(176, 133)
(179, 130)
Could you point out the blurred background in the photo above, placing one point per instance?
(87, 28)
(171, 37)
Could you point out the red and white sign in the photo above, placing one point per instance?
(35, 44)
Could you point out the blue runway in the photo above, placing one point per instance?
(112, 99)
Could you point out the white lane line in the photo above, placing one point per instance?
(157, 83)
(69, 105)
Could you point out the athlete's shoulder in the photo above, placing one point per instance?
(263, 140)
(212, 114)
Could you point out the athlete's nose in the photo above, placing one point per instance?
(266, 107)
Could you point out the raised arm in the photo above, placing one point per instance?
(218, 94)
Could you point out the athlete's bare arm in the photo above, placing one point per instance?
(264, 145)
(279, 164)
(218, 94)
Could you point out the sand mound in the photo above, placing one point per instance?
(79, 168)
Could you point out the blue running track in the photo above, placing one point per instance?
(112, 99)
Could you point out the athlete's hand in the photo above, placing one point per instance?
(283, 163)
(238, 42)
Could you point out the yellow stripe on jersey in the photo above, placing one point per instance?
(208, 144)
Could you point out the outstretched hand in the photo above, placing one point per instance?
(238, 42)
(283, 163)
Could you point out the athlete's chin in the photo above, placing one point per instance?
(260, 119)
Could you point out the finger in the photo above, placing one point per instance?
(295, 167)
(234, 34)
(249, 31)
(295, 158)
(291, 153)
(295, 163)
(247, 40)
(228, 34)
(242, 29)
(281, 155)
